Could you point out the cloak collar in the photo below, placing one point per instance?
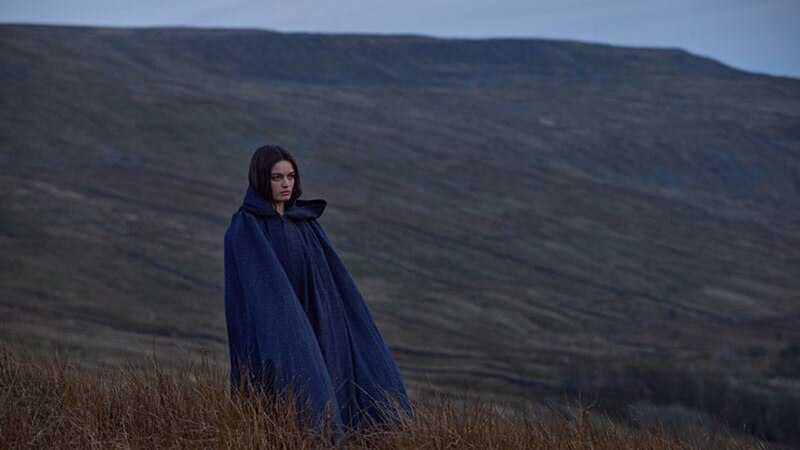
(299, 210)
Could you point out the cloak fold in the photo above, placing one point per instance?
(295, 316)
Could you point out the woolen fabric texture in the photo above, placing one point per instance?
(295, 316)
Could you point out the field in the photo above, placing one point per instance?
(50, 403)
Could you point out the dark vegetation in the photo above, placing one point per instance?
(745, 405)
(526, 218)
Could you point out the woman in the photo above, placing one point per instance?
(294, 315)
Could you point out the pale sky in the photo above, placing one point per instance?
(757, 35)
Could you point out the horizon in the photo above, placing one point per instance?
(755, 38)
(428, 36)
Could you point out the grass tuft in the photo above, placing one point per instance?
(46, 402)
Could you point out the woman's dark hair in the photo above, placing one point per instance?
(261, 164)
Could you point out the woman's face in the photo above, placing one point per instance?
(282, 181)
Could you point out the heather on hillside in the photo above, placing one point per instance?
(528, 220)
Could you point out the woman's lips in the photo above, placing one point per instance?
(286, 192)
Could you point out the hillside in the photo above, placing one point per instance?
(524, 217)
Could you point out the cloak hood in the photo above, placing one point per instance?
(297, 210)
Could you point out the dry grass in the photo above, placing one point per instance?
(48, 403)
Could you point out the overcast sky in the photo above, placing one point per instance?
(756, 35)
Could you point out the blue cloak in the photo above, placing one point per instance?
(294, 316)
